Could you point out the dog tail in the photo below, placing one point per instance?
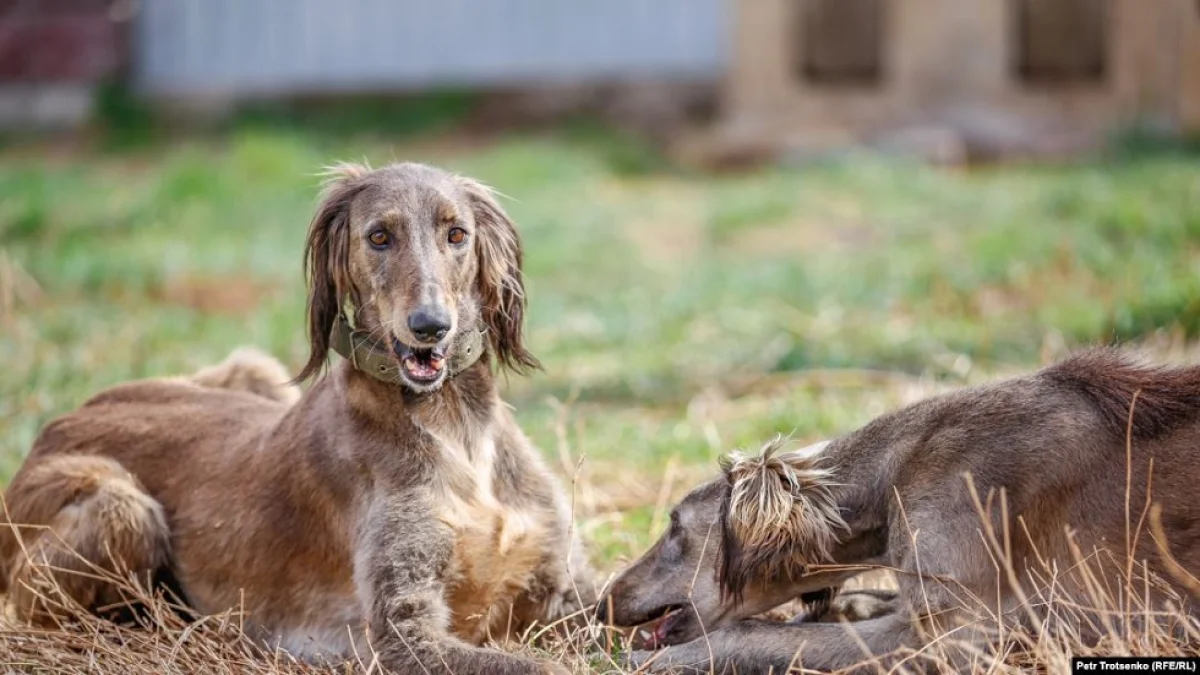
(1109, 378)
(251, 370)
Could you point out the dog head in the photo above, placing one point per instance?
(736, 546)
(421, 255)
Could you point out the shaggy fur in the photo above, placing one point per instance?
(415, 517)
(780, 505)
(1015, 495)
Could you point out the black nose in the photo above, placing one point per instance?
(602, 610)
(429, 324)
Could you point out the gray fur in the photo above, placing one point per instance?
(1050, 447)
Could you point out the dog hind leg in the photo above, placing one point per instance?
(73, 523)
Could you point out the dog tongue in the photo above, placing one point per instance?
(659, 634)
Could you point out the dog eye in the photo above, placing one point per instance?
(456, 235)
(379, 238)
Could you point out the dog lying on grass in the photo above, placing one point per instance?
(1070, 487)
(396, 499)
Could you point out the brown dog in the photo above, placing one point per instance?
(397, 495)
(1080, 451)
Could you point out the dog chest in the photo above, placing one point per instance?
(497, 547)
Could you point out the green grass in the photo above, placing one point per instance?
(677, 315)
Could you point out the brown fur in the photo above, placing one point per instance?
(101, 518)
(894, 494)
(1166, 397)
(417, 516)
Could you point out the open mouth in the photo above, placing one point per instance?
(420, 365)
(655, 631)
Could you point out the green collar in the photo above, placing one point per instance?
(376, 360)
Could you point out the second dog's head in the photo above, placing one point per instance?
(421, 255)
(737, 545)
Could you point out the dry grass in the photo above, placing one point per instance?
(160, 642)
(1043, 640)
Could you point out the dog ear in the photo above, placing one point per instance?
(778, 516)
(327, 260)
(500, 281)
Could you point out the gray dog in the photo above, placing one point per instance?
(1042, 471)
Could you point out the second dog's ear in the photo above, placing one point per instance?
(500, 281)
(779, 516)
(327, 260)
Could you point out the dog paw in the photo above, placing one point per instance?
(853, 605)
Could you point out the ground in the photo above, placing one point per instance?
(678, 315)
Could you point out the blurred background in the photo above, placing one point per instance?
(741, 217)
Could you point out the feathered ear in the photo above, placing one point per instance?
(779, 516)
(500, 282)
(327, 260)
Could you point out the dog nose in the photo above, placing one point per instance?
(602, 610)
(429, 324)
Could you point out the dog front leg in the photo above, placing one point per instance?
(403, 559)
(768, 647)
(578, 590)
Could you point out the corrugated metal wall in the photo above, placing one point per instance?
(248, 47)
